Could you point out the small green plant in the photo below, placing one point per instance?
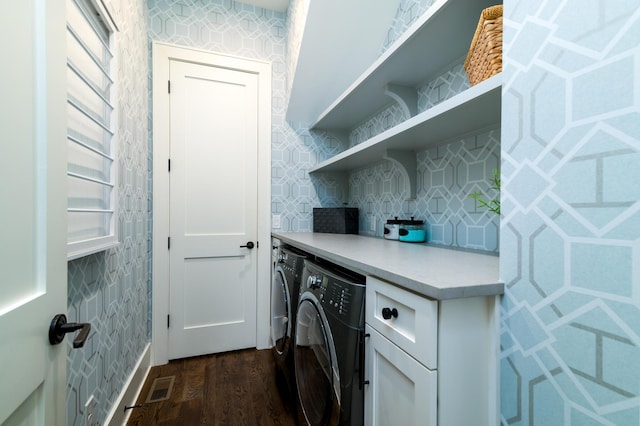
(491, 205)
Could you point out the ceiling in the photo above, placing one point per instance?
(278, 5)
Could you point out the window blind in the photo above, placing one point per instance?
(90, 134)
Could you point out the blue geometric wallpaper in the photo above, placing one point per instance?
(570, 229)
(110, 289)
(408, 11)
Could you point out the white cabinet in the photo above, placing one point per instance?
(430, 362)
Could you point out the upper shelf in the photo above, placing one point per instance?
(436, 40)
(476, 108)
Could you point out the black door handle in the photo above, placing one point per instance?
(59, 327)
(249, 245)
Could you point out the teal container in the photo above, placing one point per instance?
(412, 231)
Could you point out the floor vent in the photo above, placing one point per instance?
(160, 389)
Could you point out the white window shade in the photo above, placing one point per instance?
(91, 138)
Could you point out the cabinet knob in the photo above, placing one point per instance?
(387, 313)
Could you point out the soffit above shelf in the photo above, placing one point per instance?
(340, 40)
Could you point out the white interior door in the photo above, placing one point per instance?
(213, 213)
(33, 214)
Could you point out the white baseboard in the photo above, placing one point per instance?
(131, 390)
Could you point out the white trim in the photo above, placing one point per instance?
(130, 390)
(161, 55)
(85, 248)
(494, 366)
(106, 14)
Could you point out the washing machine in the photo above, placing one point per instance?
(329, 346)
(285, 287)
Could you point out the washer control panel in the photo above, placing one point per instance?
(338, 295)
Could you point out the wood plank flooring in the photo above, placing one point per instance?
(232, 388)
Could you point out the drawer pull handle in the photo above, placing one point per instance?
(387, 313)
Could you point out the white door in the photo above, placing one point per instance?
(213, 213)
(33, 214)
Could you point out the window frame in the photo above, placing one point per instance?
(85, 247)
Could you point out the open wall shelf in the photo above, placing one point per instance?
(437, 40)
(474, 109)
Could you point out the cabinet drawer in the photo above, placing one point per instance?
(401, 391)
(414, 328)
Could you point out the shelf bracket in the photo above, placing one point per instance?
(408, 165)
(406, 97)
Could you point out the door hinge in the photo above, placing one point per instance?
(168, 243)
(169, 165)
(168, 321)
(168, 86)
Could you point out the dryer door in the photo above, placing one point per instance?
(315, 365)
(280, 312)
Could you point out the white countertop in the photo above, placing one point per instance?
(435, 272)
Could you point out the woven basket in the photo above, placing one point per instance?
(485, 54)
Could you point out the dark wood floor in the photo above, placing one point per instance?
(233, 388)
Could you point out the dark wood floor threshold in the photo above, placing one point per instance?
(232, 388)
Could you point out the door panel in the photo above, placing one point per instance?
(213, 195)
(199, 283)
(401, 390)
(33, 217)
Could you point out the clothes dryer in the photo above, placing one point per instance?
(284, 301)
(329, 349)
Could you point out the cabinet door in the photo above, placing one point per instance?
(413, 325)
(401, 391)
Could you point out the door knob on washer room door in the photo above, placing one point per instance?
(59, 327)
(249, 245)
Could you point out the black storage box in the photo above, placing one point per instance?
(338, 220)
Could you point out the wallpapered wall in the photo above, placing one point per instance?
(408, 11)
(570, 232)
(110, 290)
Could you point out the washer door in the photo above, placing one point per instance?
(315, 365)
(280, 313)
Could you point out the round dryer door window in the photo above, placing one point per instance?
(280, 308)
(313, 366)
